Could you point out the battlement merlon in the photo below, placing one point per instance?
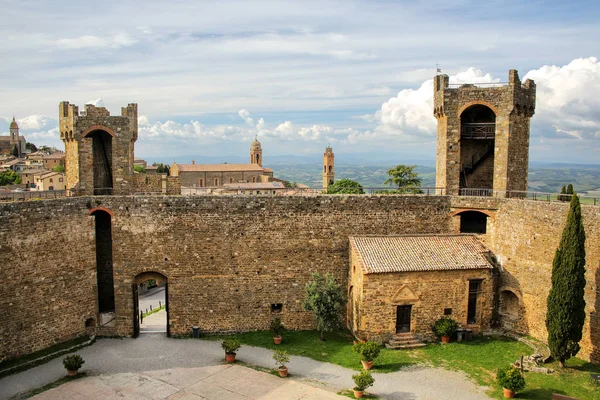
(131, 112)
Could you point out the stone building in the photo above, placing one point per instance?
(483, 136)
(216, 175)
(403, 284)
(98, 148)
(14, 140)
(54, 160)
(328, 167)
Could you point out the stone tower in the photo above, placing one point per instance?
(328, 170)
(14, 136)
(256, 153)
(483, 136)
(98, 148)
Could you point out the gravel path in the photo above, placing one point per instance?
(155, 352)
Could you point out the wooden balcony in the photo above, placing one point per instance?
(478, 130)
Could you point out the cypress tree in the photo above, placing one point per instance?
(566, 306)
(562, 192)
(569, 189)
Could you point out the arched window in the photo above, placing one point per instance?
(104, 261)
(509, 304)
(330, 168)
(230, 180)
(324, 168)
(253, 179)
(477, 138)
(216, 181)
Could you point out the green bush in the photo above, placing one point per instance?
(511, 378)
(445, 326)
(73, 362)
(362, 380)
(231, 345)
(277, 327)
(281, 358)
(368, 351)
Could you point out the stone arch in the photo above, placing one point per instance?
(510, 302)
(93, 211)
(350, 309)
(477, 102)
(98, 128)
(150, 274)
(141, 277)
(462, 210)
(104, 259)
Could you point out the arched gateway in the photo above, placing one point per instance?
(160, 280)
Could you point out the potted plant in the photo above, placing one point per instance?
(511, 380)
(362, 380)
(368, 352)
(72, 363)
(281, 358)
(277, 328)
(445, 327)
(230, 345)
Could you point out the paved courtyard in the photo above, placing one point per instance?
(124, 366)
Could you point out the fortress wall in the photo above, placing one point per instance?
(524, 235)
(227, 259)
(47, 274)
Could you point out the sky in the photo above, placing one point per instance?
(209, 76)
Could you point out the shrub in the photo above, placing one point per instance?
(277, 327)
(362, 380)
(230, 345)
(445, 326)
(511, 378)
(281, 358)
(73, 362)
(368, 351)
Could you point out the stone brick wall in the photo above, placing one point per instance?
(207, 179)
(524, 235)
(227, 259)
(48, 274)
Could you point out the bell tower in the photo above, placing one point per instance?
(256, 152)
(14, 137)
(483, 135)
(328, 170)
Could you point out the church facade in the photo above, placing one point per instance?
(8, 144)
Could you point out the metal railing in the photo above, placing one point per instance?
(478, 130)
(527, 195)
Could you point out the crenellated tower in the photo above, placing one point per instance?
(256, 152)
(483, 135)
(328, 167)
(98, 148)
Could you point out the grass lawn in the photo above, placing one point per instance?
(479, 359)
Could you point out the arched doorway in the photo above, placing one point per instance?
(350, 310)
(473, 222)
(150, 303)
(102, 161)
(477, 140)
(510, 309)
(104, 260)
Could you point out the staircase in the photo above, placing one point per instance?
(404, 341)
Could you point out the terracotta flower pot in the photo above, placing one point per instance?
(358, 393)
(283, 371)
(229, 357)
(445, 339)
(367, 364)
(277, 339)
(509, 394)
(72, 373)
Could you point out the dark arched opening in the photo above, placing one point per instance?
(102, 161)
(477, 140)
(350, 310)
(473, 222)
(330, 168)
(104, 262)
(150, 303)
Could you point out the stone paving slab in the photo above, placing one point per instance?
(230, 382)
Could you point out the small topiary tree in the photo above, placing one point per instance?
(511, 379)
(445, 326)
(362, 380)
(231, 345)
(73, 362)
(277, 327)
(281, 358)
(367, 351)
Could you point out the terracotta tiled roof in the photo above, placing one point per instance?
(55, 156)
(219, 167)
(380, 254)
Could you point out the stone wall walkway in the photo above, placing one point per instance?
(156, 352)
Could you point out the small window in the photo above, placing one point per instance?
(230, 180)
(276, 308)
(51, 181)
(216, 181)
(447, 311)
(253, 179)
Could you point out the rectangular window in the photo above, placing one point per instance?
(474, 291)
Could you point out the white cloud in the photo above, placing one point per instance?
(245, 115)
(118, 40)
(99, 102)
(567, 98)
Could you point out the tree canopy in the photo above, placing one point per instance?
(565, 315)
(59, 168)
(9, 178)
(345, 186)
(403, 176)
(324, 298)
